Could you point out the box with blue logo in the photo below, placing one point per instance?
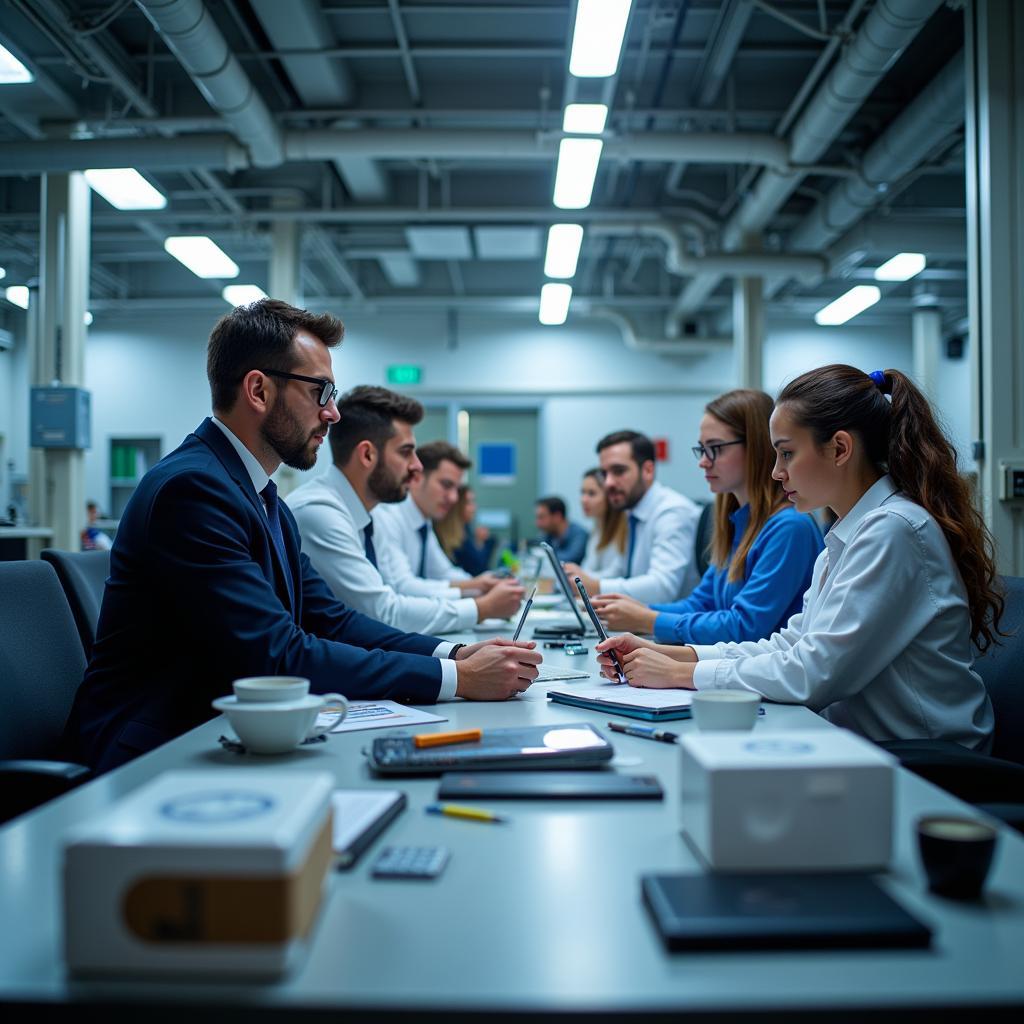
(202, 873)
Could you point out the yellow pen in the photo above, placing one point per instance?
(469, 813)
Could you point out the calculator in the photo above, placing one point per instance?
(410, 862)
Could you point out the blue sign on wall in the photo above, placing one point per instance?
(496, 462)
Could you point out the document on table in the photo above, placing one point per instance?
(379, 714)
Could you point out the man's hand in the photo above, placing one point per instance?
(572, 570)
(496, 669)
(621, 612)
(502, 601)
(483, 583)
(644, 664)
(481, 535)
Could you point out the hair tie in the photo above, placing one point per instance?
(878, 376)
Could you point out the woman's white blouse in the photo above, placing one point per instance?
(882, 645)
(602, 562)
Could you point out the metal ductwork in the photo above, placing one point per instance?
(885, 33)
(192, 35)
(942, 240)
(688, 348)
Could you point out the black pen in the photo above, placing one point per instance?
(522, 618)
(646, 732)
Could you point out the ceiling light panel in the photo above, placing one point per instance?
(242, 294)
(201, 255)
(597, 37)
(18, 295)
(848, 305)
(125, 188)
(12, 71)
(902, 267)
(576, 171)
(499, 243)
(563, 253)
(554, 303)
(444, 243)
(584, 118)
(400, 269)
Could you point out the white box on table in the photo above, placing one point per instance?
(807, 800)
(200, 872)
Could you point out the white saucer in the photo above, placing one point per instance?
(232, 703)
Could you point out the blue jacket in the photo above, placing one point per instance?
(197, 597)
(777, 572)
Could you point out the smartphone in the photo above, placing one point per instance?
(599, 626)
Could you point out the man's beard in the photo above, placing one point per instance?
(283, 432)
(385, 486)
(631, 499)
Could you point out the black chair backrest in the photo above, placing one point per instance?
(83, 575)
(41, 661)
(1001, 668)
(702, 544)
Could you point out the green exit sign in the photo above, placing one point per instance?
(404, 373)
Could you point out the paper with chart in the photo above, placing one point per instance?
(381, 714)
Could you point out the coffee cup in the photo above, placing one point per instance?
(956, 853)
(275, 727)
(276, 689)
(720, 710)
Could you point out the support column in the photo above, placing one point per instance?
(748, 331)
(926, 328)
(58, 474)
(995, 244)
(284, 281)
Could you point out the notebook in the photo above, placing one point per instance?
(732, 912)
(631, 701)
(359, 816)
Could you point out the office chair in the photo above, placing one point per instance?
(702, 543)
(994, 783)
(83, 575)
(41, 667)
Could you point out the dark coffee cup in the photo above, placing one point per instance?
(956, 853)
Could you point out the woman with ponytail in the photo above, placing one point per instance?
(905, 586)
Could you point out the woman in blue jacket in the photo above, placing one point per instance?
(762, 549)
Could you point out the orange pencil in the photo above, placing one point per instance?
(442, 739)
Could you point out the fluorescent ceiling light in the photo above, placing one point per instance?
(242, 294)
(597, 37)
(564, 241)
(12, 71)
(3, 273)
(577, 168)
(18, 294)
(201, 255)
(554, 303)
(847, 306)
(584, 118)
(902, 267)
(87, 318)
(125, 188)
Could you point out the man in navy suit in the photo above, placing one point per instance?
(207, 579)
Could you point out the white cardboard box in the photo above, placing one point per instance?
(818, 799)
(201, 872)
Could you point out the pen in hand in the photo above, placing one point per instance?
(522, 618)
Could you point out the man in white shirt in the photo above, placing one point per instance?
(660, 562)
(374, 455)
(416, 562)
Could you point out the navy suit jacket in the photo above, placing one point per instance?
(197, 597)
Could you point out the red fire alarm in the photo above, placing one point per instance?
(661, 449)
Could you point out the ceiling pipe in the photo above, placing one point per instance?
(885, 33)
(688, 348)
(885, 238)
(192, 35)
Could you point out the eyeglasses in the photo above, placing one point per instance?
(327, 388)
(711, 451)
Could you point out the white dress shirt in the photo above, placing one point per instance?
(398, 525)
(601, 562)
(663, 566)
(332, 519)
(883, 643)
(259, 477)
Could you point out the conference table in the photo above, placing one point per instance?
(540, 916)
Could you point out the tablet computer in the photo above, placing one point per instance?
(581, 627)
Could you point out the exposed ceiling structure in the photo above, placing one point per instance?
(414, 143)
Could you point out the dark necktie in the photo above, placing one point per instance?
(422, 531)
(269, 496)
(371, 554)
(633, 520)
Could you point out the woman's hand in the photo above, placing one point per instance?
(649, 669)
(621, 612)
(622, 645)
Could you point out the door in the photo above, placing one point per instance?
(433, 426)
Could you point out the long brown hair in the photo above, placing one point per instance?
(746, 412)
(612, 526)
(451, 530)
(901, 437)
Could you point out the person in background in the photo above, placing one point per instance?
(569, 540)
(662, 525)
(606, 548)
(93, 538)
(902, 596)
(762, 548)
(374, 461)
(469, 547)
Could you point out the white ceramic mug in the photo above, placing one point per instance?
(272, 727)
(719, 710)
(271, 688)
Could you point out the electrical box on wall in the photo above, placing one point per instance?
(61, 418)
(1012, 482)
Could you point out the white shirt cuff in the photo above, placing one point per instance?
(449, 673)
(468, 613)
(704, 675)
